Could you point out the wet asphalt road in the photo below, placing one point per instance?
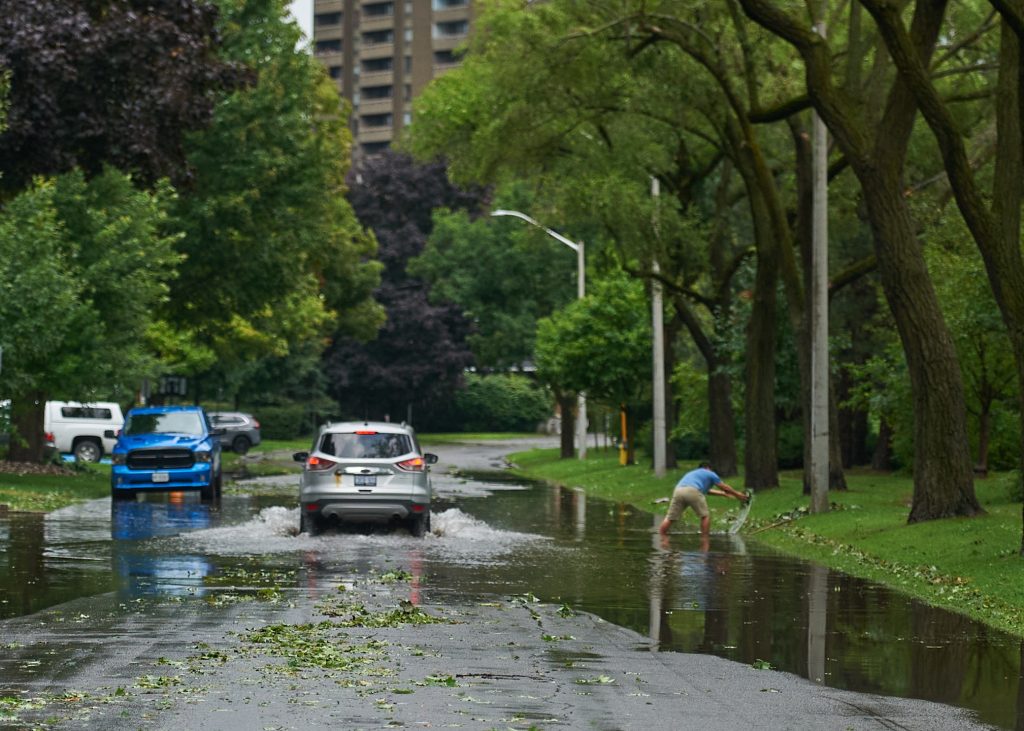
(331, 644)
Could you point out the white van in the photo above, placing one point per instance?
(77, 428)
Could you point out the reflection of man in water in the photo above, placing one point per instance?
(691, 492)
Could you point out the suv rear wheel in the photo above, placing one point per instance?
(419, 525)
(308, 522)
(240, 445)
(87, 449)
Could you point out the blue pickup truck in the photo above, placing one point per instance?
(165, 448)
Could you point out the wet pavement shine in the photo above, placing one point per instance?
(527, 606)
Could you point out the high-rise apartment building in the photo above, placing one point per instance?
(381, 53)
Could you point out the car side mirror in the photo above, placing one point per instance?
(110, 434)
(430, 458)
(300, 456)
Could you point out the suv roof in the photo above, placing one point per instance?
(386, 427)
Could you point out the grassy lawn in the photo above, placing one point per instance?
(43, 493)
(970, 565)
(457, 437)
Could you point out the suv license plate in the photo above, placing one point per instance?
(366, 481)
(161, 477)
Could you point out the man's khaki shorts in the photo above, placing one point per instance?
(687, 497)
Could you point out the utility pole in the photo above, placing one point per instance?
(658, 332)
(819, 309)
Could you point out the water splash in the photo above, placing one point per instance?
(276, 530)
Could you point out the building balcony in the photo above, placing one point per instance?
(374, 134)
(377, 22)
(376, 50)
(377, 78)
(375, 106)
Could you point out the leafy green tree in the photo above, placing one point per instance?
(85, 266)
(502, 277)
(501, 402)
(599, 343)
(275, 257)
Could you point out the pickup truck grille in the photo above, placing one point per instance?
(160, 459)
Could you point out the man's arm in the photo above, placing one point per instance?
(726, 491)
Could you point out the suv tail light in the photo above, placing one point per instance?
(416, 464)
(255, 424)
(319, 464)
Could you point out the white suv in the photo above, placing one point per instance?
(365, 472)
(78, 428)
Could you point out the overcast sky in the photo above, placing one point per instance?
(302, 10)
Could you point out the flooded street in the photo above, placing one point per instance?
(73, 571)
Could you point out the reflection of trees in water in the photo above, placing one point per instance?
(1020, 689)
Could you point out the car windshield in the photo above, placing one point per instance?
(369, 445)
(174, 422)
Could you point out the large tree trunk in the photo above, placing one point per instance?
(722, 422)
(567, 409)
(27, 442)
(881, 458)
(761, 449)
(943, 484)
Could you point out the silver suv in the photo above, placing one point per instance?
(361, 472)
(241, 431)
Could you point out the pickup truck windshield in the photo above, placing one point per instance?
(175, 422)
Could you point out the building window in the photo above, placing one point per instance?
(407, 119)
(374, 37)
(448, 4)
(376, 92)
(332, 45)
(451, 28)
(376, 65)
(378, 10)
(446, 58)
(373, 121)
(374, 148)
(322, 19)
(334, 71)
(408, 65)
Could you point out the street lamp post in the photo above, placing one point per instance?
(581, 290)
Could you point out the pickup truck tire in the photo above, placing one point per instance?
(87, 449)
(121, 494)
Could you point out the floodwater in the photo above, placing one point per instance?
(497, 538)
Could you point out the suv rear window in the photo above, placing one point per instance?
(365, 446)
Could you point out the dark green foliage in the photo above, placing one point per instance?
(416, 362)
(286, 422)
(104, 82)
(502, 402)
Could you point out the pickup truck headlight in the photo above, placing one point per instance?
(204, 456)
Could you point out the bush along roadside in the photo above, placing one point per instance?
(968, 565)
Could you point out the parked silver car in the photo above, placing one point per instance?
(241, 431)
(360, 472)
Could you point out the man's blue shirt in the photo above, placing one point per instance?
(701, 478)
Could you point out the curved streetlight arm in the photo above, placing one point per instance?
(553, 234)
